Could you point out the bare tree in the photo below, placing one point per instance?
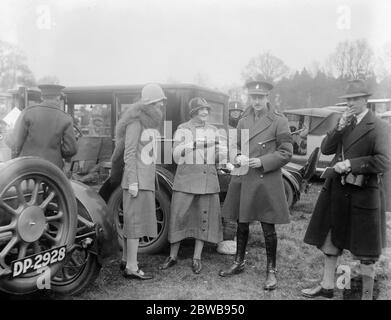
(265, 67)
(13, 68)
(352, 59)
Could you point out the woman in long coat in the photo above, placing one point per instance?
(138, 179)
(195, 205)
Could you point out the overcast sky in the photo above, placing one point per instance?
(92, 42)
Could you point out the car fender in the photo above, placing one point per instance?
(293, 182)
(106, 244)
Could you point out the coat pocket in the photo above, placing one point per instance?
(367, 199)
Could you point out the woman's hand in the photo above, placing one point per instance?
(133, 190)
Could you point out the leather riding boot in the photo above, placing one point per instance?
(271, 253)
(241, 243)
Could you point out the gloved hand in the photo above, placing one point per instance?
(229, 166)
(242, 160)
(133, 190)
(254, 163)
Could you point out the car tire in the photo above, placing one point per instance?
(147, 245)
(85, 267)
(289, 193)
(40, 183)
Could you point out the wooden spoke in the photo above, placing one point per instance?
(20, 194)
(22, 250)
(45, 203)
(7, 208)
(34, 194)
(58, 216)
(8, 248)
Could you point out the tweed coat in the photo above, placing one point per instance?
(257, 194)
(45, 131)
(195, 205)
(355, 215)
(197, 171)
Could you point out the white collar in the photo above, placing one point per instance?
(362, 115)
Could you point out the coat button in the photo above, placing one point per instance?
(205, 212)
(263, 146)
(261, 175)
(204, 221)
(204, 171)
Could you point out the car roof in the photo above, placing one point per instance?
(314, 112)
(134, 87)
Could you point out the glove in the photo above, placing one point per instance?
(242, 160)
(133, 190)
(229, 166)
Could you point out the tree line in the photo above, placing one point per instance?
(317, 86)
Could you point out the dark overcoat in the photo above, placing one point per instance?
(45, 131)
(355, 215)
(257, 194)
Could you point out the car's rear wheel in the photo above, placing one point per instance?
(147, 244)
(37, 213)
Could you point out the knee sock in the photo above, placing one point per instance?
(131, 254)
(368, 275)
(330, 263)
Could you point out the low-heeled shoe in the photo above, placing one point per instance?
(136, 275)
(317, 291)
(169, 262)
(196, 266)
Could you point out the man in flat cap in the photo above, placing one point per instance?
(45, 130)
(349, 213)
(256, 192)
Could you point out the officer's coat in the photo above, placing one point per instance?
(258, 194)
(45, 131)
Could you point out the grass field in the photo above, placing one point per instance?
(299, 266)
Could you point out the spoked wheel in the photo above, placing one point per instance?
(37, 213)
(81, 266)
(147, 244)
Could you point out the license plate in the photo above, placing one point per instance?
(37, 261)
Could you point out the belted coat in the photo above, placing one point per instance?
(257, 194)
(45, 131)
(355, 215)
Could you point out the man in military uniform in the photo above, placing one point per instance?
(45, 130)
(256, 193)
(235, 110)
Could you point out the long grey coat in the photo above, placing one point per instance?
(45, 131)
(355, 215)
(258, 194)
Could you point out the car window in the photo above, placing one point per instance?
(93, 119)
(216, 113)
